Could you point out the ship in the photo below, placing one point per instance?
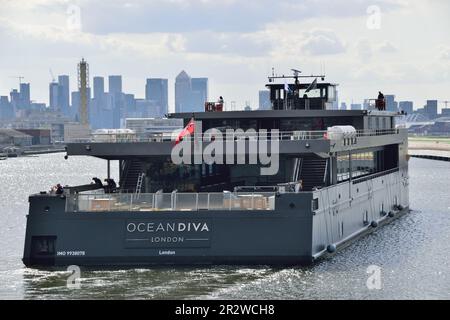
(285, 186)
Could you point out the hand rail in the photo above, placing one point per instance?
(280, 135)
(117, 202)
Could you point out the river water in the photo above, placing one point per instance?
(412, 253)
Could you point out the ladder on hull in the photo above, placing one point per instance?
(138, 190)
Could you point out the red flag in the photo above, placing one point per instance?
(188, 130)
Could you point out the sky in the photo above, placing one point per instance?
(399, 47)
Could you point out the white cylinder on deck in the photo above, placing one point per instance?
(341, 132)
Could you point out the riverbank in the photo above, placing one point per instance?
(45, 151)
(429, 143)
(29, 151)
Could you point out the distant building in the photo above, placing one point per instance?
(183, 89)
(39, 136)
(145, 109)
(64, 94)
(446, 112)
(343, 106)
(366, 104)
(76, 104)
(438, 127)
(53, 90)
(11, 137)
(355, 106)
(99, 87)
(157, 90)
(6, 109)
(25, 99)
(190, 94)
(145, 127)
(200, 92)
(115, 84)
(264, 100)
(391, 104)
(406, 106)
(15, 99)
(336, 101)
(115, 89)
(431, 109)
(74, 132)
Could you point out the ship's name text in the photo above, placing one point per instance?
(167, 227)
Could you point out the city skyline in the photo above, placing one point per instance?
(237, 49)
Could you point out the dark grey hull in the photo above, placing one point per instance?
(293, 234)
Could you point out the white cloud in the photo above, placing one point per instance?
(364, 50)
(387, 47)
(322, 42)
(235, 43)
(444, 53)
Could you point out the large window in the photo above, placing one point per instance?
(343, 168)
(363, 163)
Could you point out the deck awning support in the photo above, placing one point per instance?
(109, 169)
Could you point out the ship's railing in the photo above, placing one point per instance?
(120, 202)
(270, 135)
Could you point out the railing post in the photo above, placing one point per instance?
(253, 201)
(154, 201)
(208, 200)
(131, 202)
(196, 202)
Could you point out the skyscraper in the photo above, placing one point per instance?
(431, 109)
(391, 104)
(25, 100)
(200, 92)
(53, 96)
(99, 87)
(76, 104)
(264, 100)
(406, 106)
(115, 89)
(183, 89)
(63, 94)
(190, 94)
(157, 90)
(115, 84)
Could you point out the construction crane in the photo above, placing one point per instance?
(18, 77)
(52, 75)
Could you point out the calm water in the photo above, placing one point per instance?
(413, 251)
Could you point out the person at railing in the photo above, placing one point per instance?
(219, 104)
(380, 103)
(98, 182)
(111, 186)
(59, 189)
(299, 186)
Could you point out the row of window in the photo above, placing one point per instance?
(362, 164)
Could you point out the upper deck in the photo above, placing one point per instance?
(301, 113)
(290, 143)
